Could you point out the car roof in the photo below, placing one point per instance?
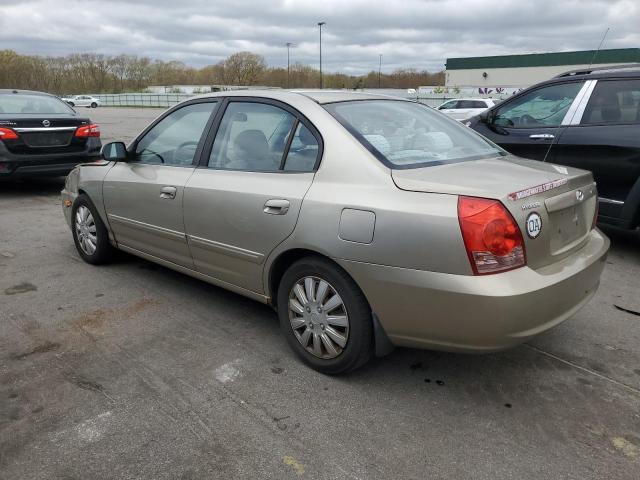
(318, 96)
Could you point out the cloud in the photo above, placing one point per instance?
(410, 33)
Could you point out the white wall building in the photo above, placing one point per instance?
(520, 71)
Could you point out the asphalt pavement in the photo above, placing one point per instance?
(134, 371)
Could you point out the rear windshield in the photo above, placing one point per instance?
(410, 135)
(25, 103)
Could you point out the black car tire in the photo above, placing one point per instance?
(104, 251)
(94, 105)
(359, 347)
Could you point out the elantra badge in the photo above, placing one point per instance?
(534, 225)
(46, 123)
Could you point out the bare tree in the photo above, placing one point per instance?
(244, 68)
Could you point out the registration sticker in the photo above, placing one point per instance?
(534, 225)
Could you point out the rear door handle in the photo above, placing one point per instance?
(276, 206)
(542, 136)
(168, 193)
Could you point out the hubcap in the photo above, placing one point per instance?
(318, 317)
(86, 230)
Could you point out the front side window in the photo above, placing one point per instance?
(252, 136)
(174, 140)
(29, 103)
(544, 107)
(613, 101)
(409, 135)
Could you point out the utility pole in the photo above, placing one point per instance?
(379, 70)
(320, 24)
(289, 45)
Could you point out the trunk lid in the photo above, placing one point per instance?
(553, 205)
(54, 132)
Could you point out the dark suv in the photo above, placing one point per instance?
(585, 118)
(40, 135)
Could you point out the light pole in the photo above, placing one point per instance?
(289, 45)
(379, 70)
(320, 24)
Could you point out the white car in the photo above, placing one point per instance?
(82, 101)
(463, 109)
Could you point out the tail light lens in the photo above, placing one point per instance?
(491, 236)
(85, 131)
(8, 134)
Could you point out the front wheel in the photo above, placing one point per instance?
(94, 105)
(325, 316)
(89, 232)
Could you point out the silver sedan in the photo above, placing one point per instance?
(365, 221)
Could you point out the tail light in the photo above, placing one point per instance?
(8, 134)
(491, 236)
(85, 131)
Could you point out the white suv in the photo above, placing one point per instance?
(462, 109)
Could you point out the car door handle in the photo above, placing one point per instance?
(542, 136)
(168, 193)
(276, 206)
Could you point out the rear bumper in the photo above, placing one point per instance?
(46, 163)
(479, 313)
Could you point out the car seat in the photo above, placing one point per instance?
(251, 151)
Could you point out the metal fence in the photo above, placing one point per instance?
(169, 99)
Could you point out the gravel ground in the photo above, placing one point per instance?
(134, 371)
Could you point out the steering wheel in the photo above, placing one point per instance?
(188, 149)
(527, 119)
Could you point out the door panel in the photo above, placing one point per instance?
(241, 204)
(530, 124)
(232, 225)
(143, 216)
(144, 196)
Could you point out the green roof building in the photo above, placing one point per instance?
(525, 70)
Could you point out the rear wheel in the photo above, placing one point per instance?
(89, 232)
(325, 316)
(94, 105)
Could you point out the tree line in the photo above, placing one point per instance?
(97, 73)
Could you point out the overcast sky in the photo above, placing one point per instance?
(408, 33)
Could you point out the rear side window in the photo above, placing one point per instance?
(471, 104)
(303, 151)
(613, 101)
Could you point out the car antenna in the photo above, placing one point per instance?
(599, 46)
(593, 58)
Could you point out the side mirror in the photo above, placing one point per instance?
(114, 152)
(486, 117)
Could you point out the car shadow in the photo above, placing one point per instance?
(31, 187)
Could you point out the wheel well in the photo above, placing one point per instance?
(283, 262)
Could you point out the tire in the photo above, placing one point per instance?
(358, 332)
(93, 231)
(94, 105)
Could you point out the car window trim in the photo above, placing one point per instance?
(298, 116)
(535, 88)
(131, 149)
(287, 147)
(579, 107)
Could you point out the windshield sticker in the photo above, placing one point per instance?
(528, 192)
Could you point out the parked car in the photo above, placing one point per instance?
(40, 135)
(464, 108)
(82, 101)
(586, 118)
(367, 221)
